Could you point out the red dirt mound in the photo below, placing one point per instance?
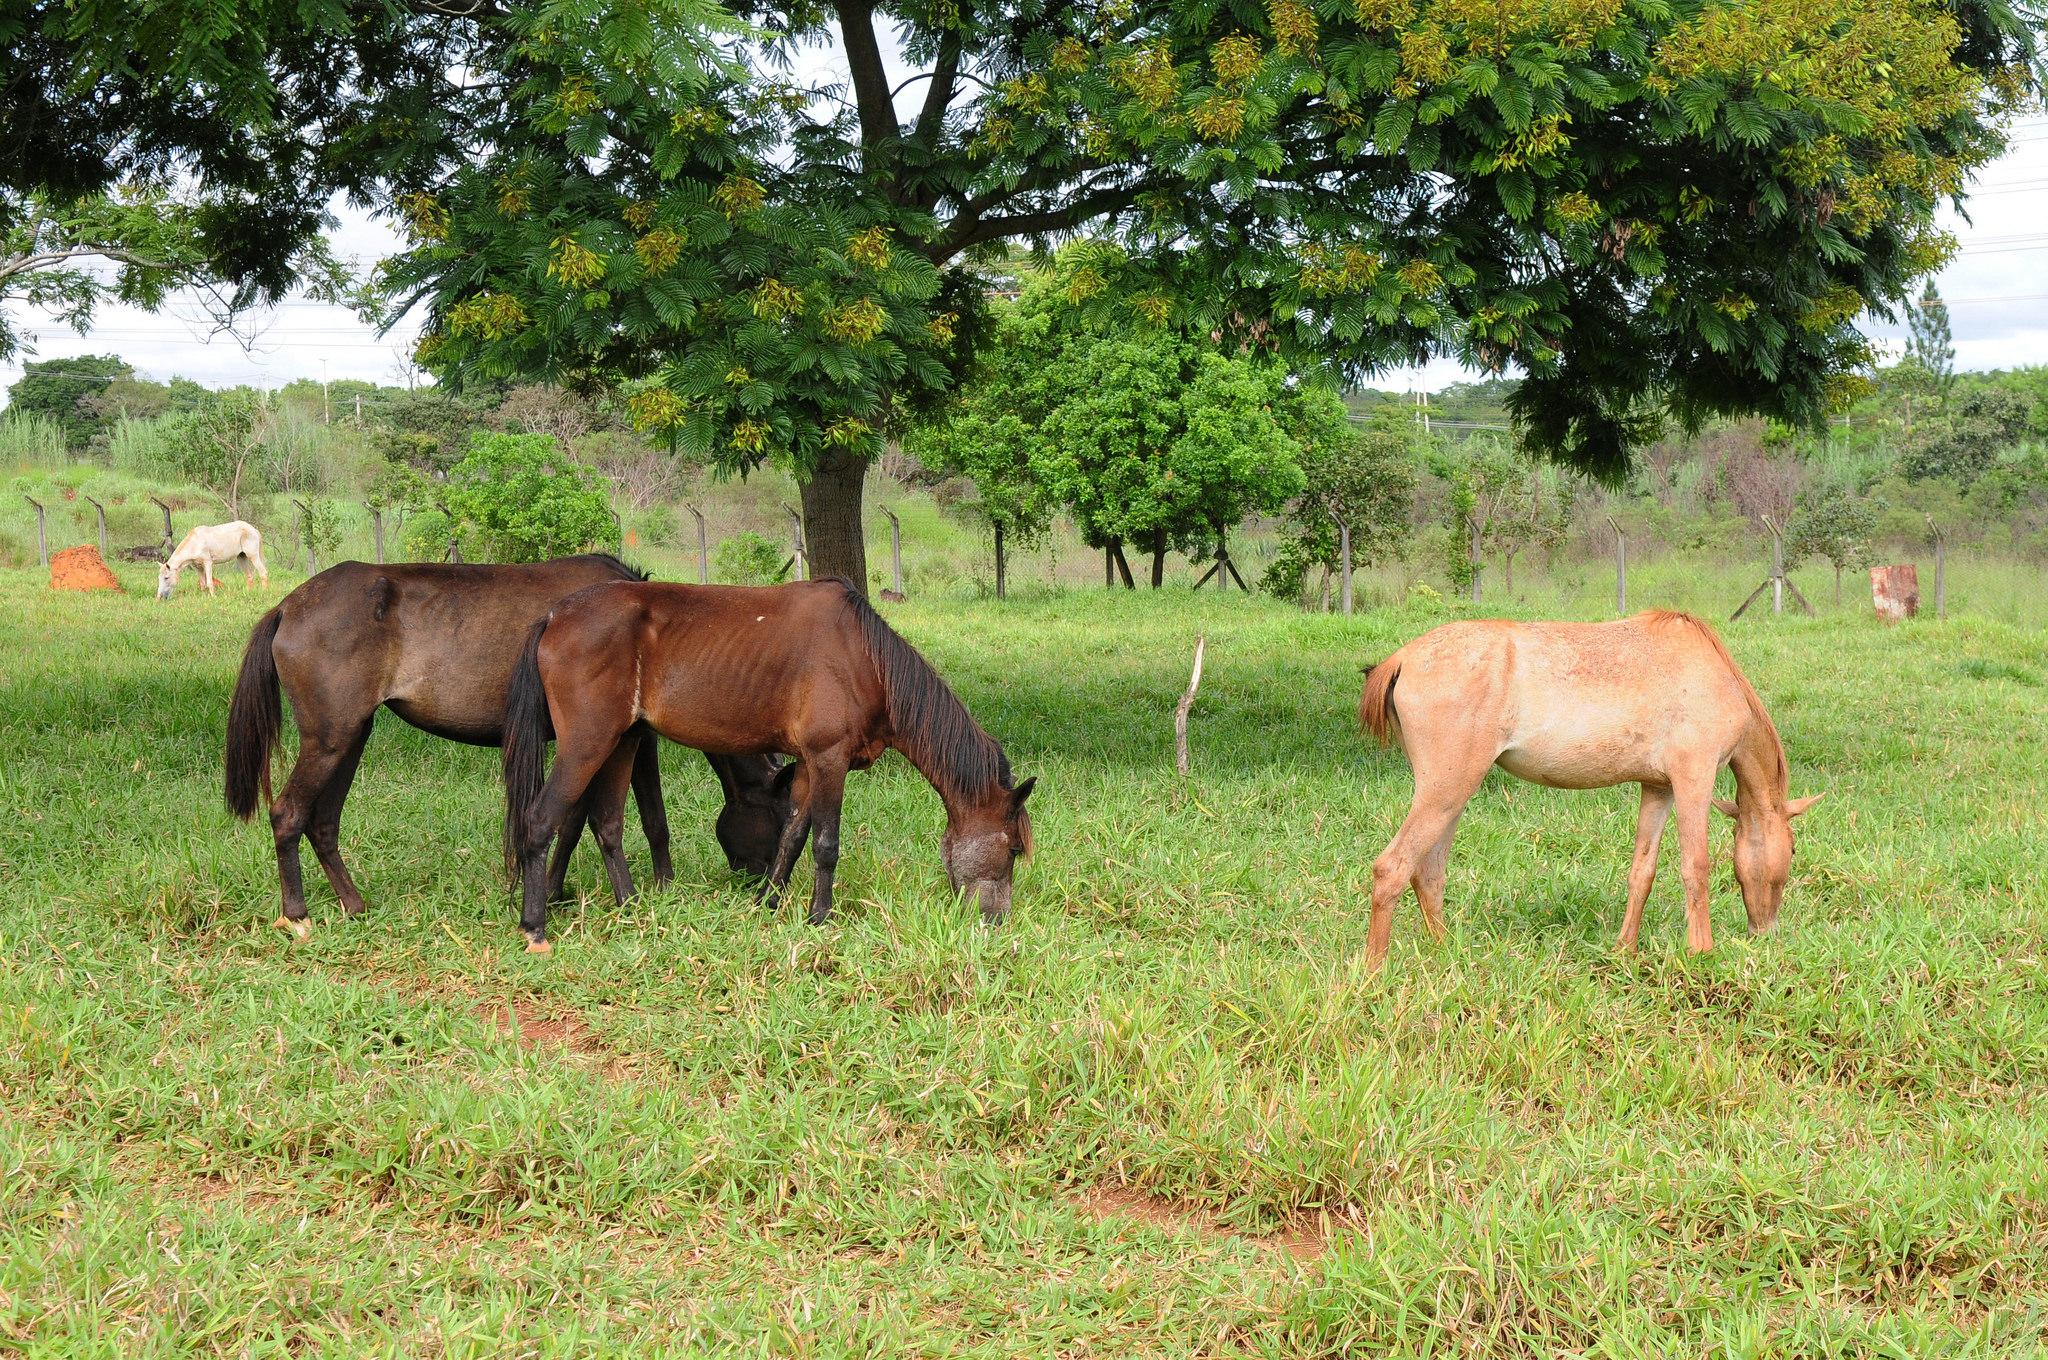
(81, 568)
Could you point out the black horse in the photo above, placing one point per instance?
(436, 644)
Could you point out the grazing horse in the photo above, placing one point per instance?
(211, 543)
(807, 669)
(436, 644)
(1654, 699)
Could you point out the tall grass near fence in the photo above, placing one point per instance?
(1164, 1111)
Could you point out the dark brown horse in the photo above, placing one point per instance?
(436, 644)
(808, 670)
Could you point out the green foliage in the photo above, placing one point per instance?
(1833, 523)
(528, 501)
(31, 439)
(1929, 344)
(1143, 434)
(1499, 498)
(1365, 476)
(320, 528)
(219, 447)
(428, 533)
(797, 273)
(1962, 446)
(748, 559)
(56, 389)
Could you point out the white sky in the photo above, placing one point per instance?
(1997, 288)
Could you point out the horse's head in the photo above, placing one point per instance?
(758, 798)
(982, 843)
(166, 580)
(1763, 855)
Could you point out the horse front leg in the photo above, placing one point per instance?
(794, 833)
(1642, 870)
(828, 791)
(1692, 798)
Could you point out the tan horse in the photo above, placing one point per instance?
(1654, 699)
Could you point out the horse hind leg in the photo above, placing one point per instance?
(578, 759)
(1642, 869)
(320, 756)
(1429, 880)
(1440, 797)
(828, 792)
(653, 812)
(323, 828)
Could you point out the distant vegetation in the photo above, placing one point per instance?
(1439, 497)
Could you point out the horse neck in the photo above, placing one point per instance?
(1758, 764)
(958, 795)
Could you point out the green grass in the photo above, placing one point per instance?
(1092, 1132)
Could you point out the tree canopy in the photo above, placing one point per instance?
(1650, 208)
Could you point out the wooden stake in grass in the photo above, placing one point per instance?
(103, 528)
(703, 552)
(1940, 567)
(1180, 712)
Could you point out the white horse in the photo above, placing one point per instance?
(211, 543)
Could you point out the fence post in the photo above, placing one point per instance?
(42, 537)
(103, 525)
(1000, 592)
(376, 529)
(796, 537)
(1777, 565)
(703, 551)
(895, 548)
(1343, 560)
(454, 534)
(1940, 567)
(1620, 570)
(168, 539)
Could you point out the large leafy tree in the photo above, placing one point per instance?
(1651, 209)
(1674, 207)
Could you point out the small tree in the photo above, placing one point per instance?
(220, 447)
(528, 501)
(1834, 523)
(1964, 445)
(1929, 343)
(1367, 478)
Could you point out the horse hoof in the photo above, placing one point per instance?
(302, 929)
(540, 947)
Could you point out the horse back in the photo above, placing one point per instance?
(435, 641)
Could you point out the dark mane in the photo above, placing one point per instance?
(624, 569)
(932, 727)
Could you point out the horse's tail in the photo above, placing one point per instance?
(255, 717)
(1376, 705)
(528, 730)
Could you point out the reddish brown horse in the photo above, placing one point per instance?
(807, 669)
(436, 644)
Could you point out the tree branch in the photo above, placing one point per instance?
(23, 264)
(945, 80)
(1041, 223)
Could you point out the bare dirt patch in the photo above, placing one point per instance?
(537, 1028)
(1304, 1240)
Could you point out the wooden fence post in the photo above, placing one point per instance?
(1620, 570)
(1940, 567)
(168, 538)
(103, 525)
(376, 528)
(796, 538)
(895, 549)
(42, 536)
(703, 548)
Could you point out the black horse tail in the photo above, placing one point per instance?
(255, 717)
(528, 729)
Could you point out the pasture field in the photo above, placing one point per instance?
(1164, 1111)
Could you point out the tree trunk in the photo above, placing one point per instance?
(1000, 592)
(832, 519)
(1123, 565)
(1508, 578)
(1838, 585)
(1158, 558)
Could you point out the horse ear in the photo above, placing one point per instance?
(1726, 808)
(1023, 791)
(785, 777)
(1799, 805)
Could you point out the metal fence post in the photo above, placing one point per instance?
(103, 525)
